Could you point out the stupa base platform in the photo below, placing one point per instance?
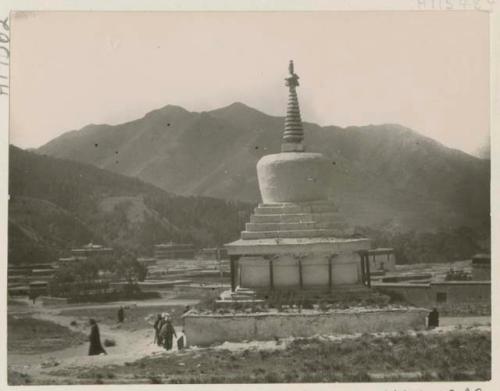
(342, 297)
(204, 329)
(299, 245)
(297, 263)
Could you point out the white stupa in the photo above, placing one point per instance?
(296, 239)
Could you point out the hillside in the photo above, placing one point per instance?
(383, 175)
(57, 204)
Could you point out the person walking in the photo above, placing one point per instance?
(433, 319)
(167, 334)
(121, 315)
(157, 327)
(95, 347)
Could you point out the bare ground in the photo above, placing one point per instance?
(447, 353)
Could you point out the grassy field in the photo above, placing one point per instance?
(30, 336)
(457, 355)
(135, 317)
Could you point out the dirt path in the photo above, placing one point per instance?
(130, 346)
(30, 308)
(134, 345)
(465, 321)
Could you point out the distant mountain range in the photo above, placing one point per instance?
(58, 204)
(383, 175)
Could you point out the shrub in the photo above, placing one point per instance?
(155, 380)
(109, 342)
(272, 377)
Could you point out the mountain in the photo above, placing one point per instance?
(382, 174)
(59, 204)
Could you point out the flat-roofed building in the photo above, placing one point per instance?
(91, 250)
(481, 267)
(174, 251)
(147, 261)
(213, 253)
(382, 259)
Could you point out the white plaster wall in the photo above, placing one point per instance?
(286, 272)
(203, 330)
(254, 272)
(345, 271)
(315, 270)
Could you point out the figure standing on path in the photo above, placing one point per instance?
(95, 347)
(157, 327)
(167, 334)
(121, 315)
(433, 319)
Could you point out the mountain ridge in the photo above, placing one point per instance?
(57, 204)
(380, 172)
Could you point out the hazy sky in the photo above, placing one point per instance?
(425, 70)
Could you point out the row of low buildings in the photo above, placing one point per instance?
(187, 251)
(33, 279)
(469, 295)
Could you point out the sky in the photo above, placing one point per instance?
(425, 70)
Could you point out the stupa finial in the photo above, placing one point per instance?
(294, 133)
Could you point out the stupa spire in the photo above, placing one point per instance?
(294, 132)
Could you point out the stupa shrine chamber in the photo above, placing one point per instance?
(297, 238)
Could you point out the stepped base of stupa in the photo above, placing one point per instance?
(296, 220)
(297, 246)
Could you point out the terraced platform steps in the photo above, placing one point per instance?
(348, 295)
(296, 220)
(340, 294)
(241, 296)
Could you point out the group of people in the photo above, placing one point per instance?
(165, 332)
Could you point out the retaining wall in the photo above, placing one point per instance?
(204, 330)
(48, 300)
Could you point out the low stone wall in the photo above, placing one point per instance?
(204, 330)
(48, 300)
(449, 296)
(211, 291)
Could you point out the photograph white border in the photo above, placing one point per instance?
(490, 6)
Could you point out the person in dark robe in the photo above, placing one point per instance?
(121, 315)
(95, 347)
(157, 327)
(180, 343)
(167, 333)
(433, 319)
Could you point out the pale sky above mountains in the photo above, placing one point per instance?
(425, 70)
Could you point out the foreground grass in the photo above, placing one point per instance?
(28, 335)
(457, 355)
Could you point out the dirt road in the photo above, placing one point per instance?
(130, 346)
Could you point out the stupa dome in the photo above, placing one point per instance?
(293, 177)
